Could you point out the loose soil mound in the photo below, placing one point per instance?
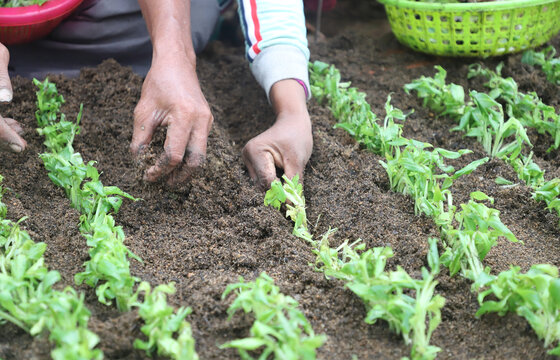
(215, 229)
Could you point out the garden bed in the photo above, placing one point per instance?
(205, 235)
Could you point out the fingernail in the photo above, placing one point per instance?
(5, 95)
(15, 148)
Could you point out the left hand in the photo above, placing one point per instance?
(287, 144)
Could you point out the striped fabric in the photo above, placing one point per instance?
(267, 23)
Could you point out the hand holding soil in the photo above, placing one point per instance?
(171, 97)
(10, 130)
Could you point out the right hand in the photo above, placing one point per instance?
(171, 97)
(10, 130)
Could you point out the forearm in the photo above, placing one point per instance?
(168, 23)
(276, 40)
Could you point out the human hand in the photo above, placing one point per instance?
(288, 143)
(171, 97)
(10, 130)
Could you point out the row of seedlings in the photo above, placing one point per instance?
(531, 295)
(108, 268)
(28, 300)
(483, 118)
(478, 227)
(387, 295)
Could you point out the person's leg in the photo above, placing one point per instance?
(102, 29)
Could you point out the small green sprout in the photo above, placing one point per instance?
(547, 60)
(279, 329)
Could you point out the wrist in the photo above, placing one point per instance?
(288, 97)
(173, 51)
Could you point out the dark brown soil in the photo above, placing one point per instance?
(204, 236)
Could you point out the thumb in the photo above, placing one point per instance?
(10, 138)
(5, 84)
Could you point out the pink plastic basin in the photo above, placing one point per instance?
(27, 23)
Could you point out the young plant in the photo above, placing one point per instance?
(479, 227)
(547, 60)
(28, 300)
(444, 99)
(280, 328)
(485, 121)
(18, 3)
(528, 108)
(166, 329)
(534, 295)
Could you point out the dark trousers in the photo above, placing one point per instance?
(102, 29)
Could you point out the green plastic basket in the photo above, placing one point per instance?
(473, 29)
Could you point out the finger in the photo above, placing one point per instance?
(194, 158)
(146, 120)
(293, 168)
(175, 144)
(262, 163)
(10, 138)
(6, 93)
(14, 125)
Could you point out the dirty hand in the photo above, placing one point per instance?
(288, 143)
(10, 130)
(171, 97)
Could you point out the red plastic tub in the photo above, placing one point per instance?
(27, 23)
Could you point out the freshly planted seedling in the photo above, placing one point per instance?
(485, 121)
(527, 108)
(547, 60)
(534, 295)
(166, 329)
(436, 94)
(479, 227)
(280, 328)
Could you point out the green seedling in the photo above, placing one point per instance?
(527, 108)
(166, 329)
(18, 3)
(280, 328)
(485, 121)
(534, 295)
(478, 230)
(444, 99)
(547, 60)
